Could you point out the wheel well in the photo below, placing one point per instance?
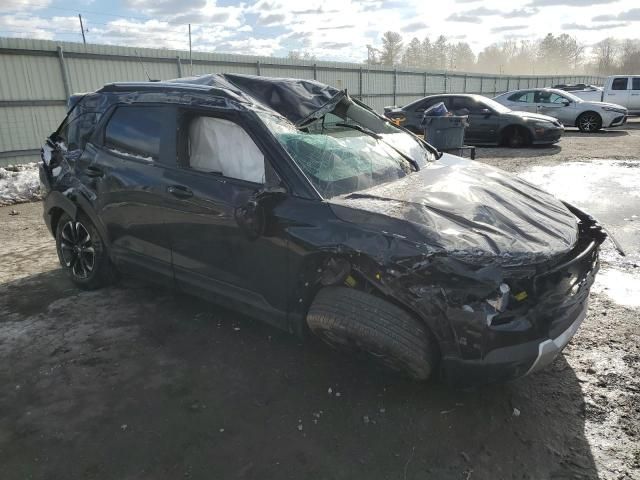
(363, 282)
(506, 131)
(589, 111)
(55, 214)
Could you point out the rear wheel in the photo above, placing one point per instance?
(589, 122)
(351, 320)
(82, 252)
(516, 137)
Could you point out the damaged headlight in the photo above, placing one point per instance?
(500, 301)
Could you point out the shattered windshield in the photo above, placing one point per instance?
(340, 155)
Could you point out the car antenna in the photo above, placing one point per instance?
(143, 67)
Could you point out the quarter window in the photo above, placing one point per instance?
(220, 146)
(619, 83)
(136, 131)
(77, 129)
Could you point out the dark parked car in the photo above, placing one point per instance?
(489, 122)
(290, 201)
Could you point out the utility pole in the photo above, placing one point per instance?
(84, 40)
(190, 56)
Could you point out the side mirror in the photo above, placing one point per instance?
(487, 112)
(271, 191)
(251, 217)
(566, 103)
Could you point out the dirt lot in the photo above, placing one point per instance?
(135, 382)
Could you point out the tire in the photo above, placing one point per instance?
(517, 137)
(352, 320)
(589, 122)
(82, 252)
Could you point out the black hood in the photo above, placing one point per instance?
(293, 98)
(468, 210)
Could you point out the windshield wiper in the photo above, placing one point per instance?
(361, 129)
(377, 136)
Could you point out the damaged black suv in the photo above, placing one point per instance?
(295, 203)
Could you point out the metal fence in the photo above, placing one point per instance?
(37, 77)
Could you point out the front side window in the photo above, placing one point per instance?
(619, 83)
(216, 145)
(550, 97)
(136, 131)
(465, 106)
(636, 84)
(424, 105)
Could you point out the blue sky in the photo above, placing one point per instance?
(330, 30)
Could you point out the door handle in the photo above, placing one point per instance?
(93, 171)
(179, 191)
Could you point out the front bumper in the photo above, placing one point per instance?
(618, 121)
(549, 349)
(545, 136)
(510, 362)
(530, 333)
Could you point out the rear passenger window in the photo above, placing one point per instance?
(636, 84)
(525, 97)
(619, 84)
(136, 131)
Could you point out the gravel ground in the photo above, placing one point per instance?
(135, 382)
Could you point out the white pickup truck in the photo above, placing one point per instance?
(623, 90)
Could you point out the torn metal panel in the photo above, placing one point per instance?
(299, 101)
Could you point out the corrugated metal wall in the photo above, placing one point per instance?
(37, 76)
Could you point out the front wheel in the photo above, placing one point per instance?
(82, 253)
(516, 137)
(351, 320)
(589, 122)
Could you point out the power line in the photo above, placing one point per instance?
(75, 10)
(92, 12)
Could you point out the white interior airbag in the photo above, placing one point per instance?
(217, 145)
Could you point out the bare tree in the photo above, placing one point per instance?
(461, 57)
(427, 54)
(298, 55)
(630, 57)
(391, 53)
(413, 55)
(439, 52)
(605, 54)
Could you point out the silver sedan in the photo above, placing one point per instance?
(572, 111)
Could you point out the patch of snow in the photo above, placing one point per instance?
(19, 183)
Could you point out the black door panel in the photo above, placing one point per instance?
(212, 255)
(126, 175)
